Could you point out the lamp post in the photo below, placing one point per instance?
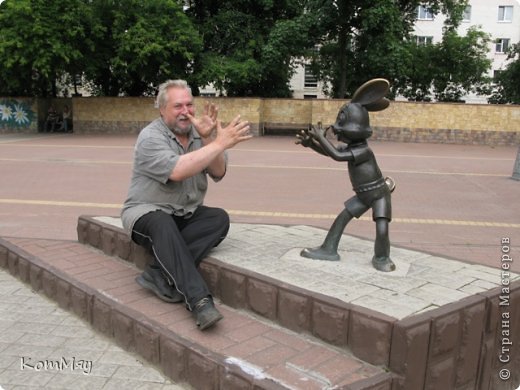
(516, 169)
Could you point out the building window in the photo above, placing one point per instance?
(505, 13)
(496, 75)
(466, 16)
(424, 13)
(501, 45)
(423, 40)
(310, 79)
(310, 96)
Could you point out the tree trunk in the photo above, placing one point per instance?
(54, 89)
(342, 50)
(342, 66)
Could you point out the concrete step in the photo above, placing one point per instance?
(433, 323)
(242, 351)
(365, 333)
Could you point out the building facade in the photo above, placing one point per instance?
(499, 18)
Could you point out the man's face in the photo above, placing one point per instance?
(179, 103)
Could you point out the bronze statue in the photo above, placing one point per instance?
(352, 129)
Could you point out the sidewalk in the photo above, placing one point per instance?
(44, 346)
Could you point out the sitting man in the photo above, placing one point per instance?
(164, 210)
(65, 119)
(52, 120)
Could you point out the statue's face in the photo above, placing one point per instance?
(340, 126)
(342, 136)
(342, 118)
(352, 123)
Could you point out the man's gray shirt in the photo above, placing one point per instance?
(157, 150)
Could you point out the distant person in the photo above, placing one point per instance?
(164, 209)
(65, 119)
(52, 119)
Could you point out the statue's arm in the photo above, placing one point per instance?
(315, 145)
(338, 154)
(307, 139)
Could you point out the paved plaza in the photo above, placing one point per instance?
(453, 209)
(457, 201)
(420, 282)
(44, 346)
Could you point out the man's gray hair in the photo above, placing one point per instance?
(162, 96)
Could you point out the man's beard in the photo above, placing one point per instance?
(177, 130)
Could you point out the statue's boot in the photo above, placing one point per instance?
(320, 253)
(329, 249)
(383, 263)
(381, 260)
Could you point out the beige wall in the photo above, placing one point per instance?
(450, 116)
(114, 109)
(297, 112)
(411, 122)
(431, 115)
(123, 115)
(250, 109)
(436, 122)
(402, 121)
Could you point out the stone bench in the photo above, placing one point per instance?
(273, 128)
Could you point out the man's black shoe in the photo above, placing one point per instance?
(206, 314)
(153, 279)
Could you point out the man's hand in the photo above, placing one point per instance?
(206, 123)
(211, 156)
(235, 132)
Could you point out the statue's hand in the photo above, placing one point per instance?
(304, 138)
(316, 132)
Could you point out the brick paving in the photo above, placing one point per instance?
(44, 346)
(241, 341)
(420, 282)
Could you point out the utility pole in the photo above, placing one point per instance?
(516, 169)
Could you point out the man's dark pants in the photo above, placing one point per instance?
(179, 244)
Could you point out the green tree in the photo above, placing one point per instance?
(448, 69)
(461, 63)
(507, 84)
(359, 40)
(140, 44)
(40, 42)
(121, 47)
(416, 82)
(244, 52)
